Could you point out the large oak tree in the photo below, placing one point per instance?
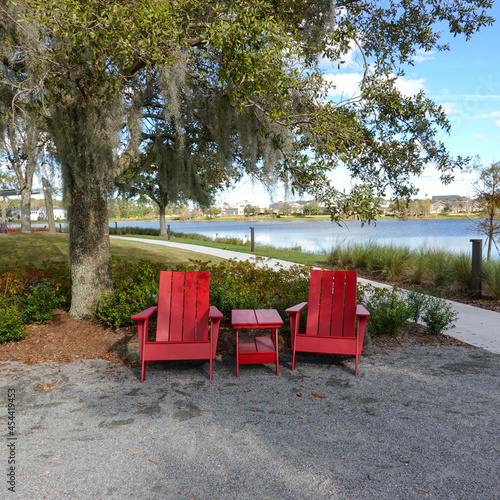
(85, 66)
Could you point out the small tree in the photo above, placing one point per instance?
(313, 208)
(487, 190)
(251, 210)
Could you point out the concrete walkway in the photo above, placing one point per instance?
(475, 326)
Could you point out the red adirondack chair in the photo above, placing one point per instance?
(335, 324)
(183, 321)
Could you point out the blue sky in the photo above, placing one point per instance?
(465, 80)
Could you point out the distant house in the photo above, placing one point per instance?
(239, 208)
(41, 214)
(437, 207)
(459, 204)
(296, 207)
(384, 206)
(60, 213)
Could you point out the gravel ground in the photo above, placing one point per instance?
(418, 422)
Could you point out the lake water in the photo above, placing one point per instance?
(318, 236)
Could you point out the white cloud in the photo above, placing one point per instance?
(346, 84)
(410, 86)
(492, 114)
(481, 136)
(423, 56)
(451, 108)
(497, 123)
(350, 61)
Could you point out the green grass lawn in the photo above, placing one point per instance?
(34, 248)
(270, 252)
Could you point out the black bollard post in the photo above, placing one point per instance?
(168, 231)
(477, 268)
(252, 242)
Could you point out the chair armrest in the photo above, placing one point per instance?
(214, 313)
(145, 314)
(297, 308)
(361, 311)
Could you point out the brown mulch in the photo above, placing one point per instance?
(64, 340)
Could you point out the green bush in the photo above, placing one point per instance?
(389, 312)
(34, 292)
(11, 325)
(135, 289)
(244, 285)
(438, 316)
(461, 266)
(396, 261)
(491, 277)
(233, 285)
(38, 304)
(416, 301)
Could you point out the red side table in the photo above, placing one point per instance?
(253, 350)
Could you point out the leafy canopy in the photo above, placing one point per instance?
(254, 65)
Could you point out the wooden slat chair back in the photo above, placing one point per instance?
(187, 327)
(183, 306)
(332, 303)
(335, 323)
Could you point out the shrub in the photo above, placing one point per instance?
(438, 316)
(389, 312)
(440, 269)
(233, 285)
(244, 285)
(416, 301)
(491, 277)
(135, 289)
(420, 265)
(38, 304)
(461, 266)
(395, 261)
(36, 291)
(339, 256)
(11, 325)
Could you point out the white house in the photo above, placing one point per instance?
(41, 214)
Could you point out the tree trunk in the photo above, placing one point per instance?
(49, 205)
(89, 248)
(163, 225)
(26, 210)
(84, 148)
(5, 204)
(491, 234)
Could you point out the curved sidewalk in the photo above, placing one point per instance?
(475, 326)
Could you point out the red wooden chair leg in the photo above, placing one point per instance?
(210, 367)
(143, 371)
(294, 359)
(356, 368)
(277, 356)
(237, 357)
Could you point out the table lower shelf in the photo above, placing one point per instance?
(253, 350)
